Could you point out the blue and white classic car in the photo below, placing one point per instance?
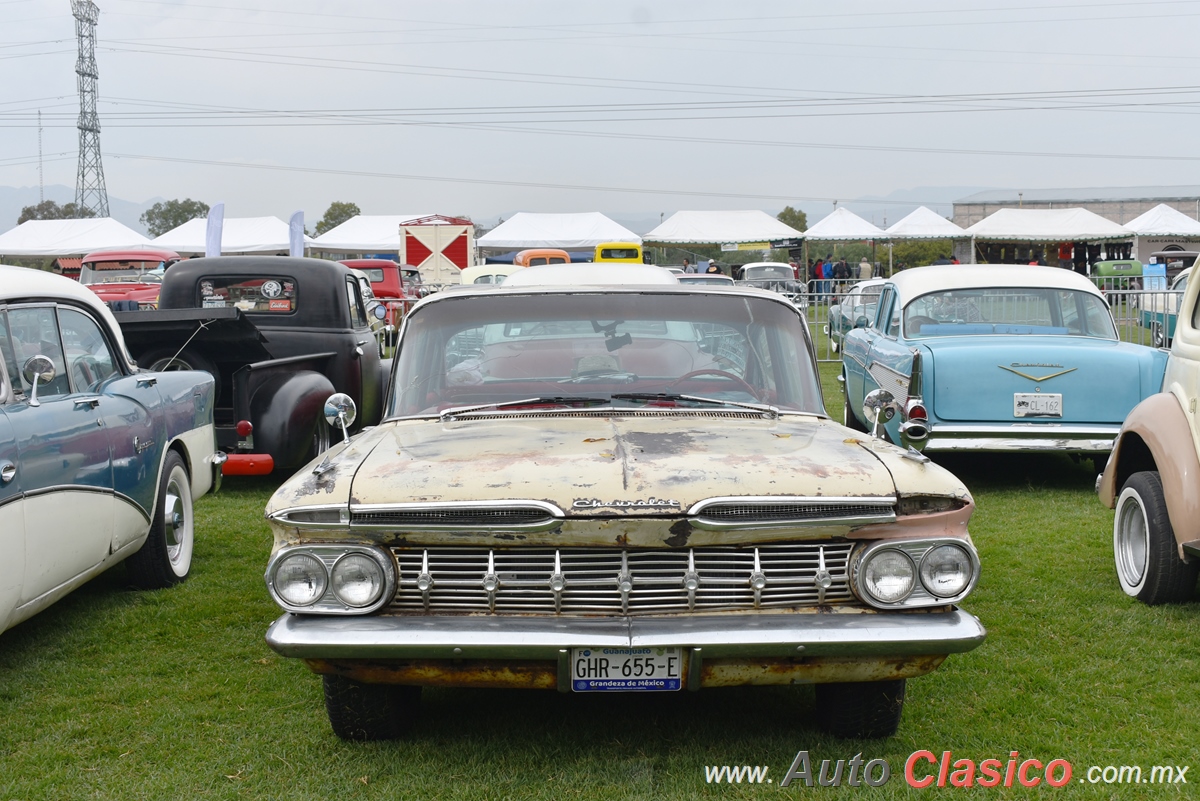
(996, 358)
(99, 461)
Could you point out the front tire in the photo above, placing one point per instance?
(364, 712)
(860, 709)
(1147, 558)
(165, 559)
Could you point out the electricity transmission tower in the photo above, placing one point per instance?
(89, 183)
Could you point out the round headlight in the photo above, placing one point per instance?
(357, 580)
(300, 579)
(888, 575)
(946, 570)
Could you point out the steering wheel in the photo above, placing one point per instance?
(917, 320)
(722, 374)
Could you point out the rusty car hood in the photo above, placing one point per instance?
(625, 465)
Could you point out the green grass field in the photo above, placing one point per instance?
(118, 694)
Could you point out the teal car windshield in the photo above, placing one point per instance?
(621, 348)
(1008, 311)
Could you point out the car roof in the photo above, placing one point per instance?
(130, 254)
(783, 264)
(26, 283)
(918, 281)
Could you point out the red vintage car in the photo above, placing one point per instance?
(396, 286)
(132, 275)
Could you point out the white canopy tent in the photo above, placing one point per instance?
(238, 235)
(375, 233)
(566, 231)
(844, 225)
(1043, 226)
(1163, 228)
(68, 237)
(748, 227)
(925, 223)
(1047, 225)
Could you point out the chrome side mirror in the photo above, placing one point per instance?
(341, 412)
(380, 312)
(879, 407)
(38, 368)
(862, 321)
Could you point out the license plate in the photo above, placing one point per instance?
(1036, 404)
(625, 669)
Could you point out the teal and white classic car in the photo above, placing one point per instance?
(99, 460)
(997, 358)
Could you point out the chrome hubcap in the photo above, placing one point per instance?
(1132, 543)
(175, 524)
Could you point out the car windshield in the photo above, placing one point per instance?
(771, 271)
(148, 273)
(1008, 310)
(654, 349)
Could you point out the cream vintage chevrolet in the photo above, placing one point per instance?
(596, 479)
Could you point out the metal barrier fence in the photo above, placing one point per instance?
(1146, 317)
(1143, 316)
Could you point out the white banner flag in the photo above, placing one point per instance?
(296, 234)
(212, 235)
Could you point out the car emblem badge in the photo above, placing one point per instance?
(1038, 379)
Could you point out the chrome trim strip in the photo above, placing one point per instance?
(698, 520)
(1031, 429)
(283, 516)
(554, 513)
(33, 493)
(858, 634)
(1018, 444)
(792, 500)
(131, 502)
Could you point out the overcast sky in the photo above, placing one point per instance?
(485, 108)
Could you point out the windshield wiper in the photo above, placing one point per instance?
(773, 411)
(559, 400)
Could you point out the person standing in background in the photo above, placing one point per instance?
(688, 267)
(865, 270)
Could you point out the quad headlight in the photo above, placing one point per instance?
(914, 573)
(946, 570)
(300, 579)
(331, 579)
(888, 575)
(357, 580)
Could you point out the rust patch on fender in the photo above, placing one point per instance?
(486, 673)
(817, 670)
(680, 532)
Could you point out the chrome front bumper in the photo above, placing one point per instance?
(850, 634)
(1021, 437)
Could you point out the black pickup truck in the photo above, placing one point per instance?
(280, 335)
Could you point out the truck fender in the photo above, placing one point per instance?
(1156, 436)
(285, 411)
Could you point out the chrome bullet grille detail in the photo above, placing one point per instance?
(582, 581)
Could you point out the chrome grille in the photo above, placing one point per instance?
(451, 517)
(759, 513)
(448, 580)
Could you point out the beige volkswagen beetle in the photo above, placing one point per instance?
(1153, 477)
(596, 479)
